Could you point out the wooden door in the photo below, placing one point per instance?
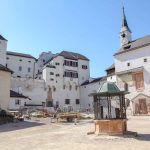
(142, 106)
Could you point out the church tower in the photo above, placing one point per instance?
(3, 48)
(125, 33)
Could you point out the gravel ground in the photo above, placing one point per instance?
(43, 135)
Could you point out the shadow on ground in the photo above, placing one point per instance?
(139, 136)
(18, 126)
(143, 137)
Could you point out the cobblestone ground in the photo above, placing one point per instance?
(67, 136)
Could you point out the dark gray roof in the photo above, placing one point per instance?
(68, 55)
(15, 94)
(111, 67)
(94, 80)
(139, 43)
(72, 55)
(20, 54)
(3, 68)
(51, 58)
(2, 38)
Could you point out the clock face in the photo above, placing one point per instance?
(125, 41)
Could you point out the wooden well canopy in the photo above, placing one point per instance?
(109, 102)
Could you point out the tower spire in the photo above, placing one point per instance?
(125, 33)
(124, 20)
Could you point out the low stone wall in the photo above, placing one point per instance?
(6, 119)
(111, 127)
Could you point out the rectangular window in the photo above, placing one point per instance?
(139, 80)
(70, 63)
(57, 63)
(29, 61)
(17, 102)
(71, 74)
(29, 69)
(57, 75)
(52, 79)
(51, 73)
(67, 101)
(20, 59)
(20, 68)
(84, 67)
(77, 101)
(7, 58)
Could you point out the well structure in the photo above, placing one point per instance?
(109, 110)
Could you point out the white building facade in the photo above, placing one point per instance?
(132, 68)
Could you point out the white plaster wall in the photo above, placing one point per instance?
(112, 78)
(13, 63)
(4, 89)
(3, 48)
(84, 74)
(135, 58)
(32, 88)
(13, 106)
(85, 90)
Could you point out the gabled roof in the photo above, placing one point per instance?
(68, 55)
(140, 94)
(111, 67)
(72, 55)
(2, 38)
(20, 54)
(139, 43)
(15, 94)
(94, 80)
(3, 68)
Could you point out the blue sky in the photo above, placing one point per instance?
(90, 27)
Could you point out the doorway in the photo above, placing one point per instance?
(142, 106)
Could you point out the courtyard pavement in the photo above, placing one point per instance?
(43, 135)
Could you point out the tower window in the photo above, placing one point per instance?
(145, 59)
(20, 59)
(29, 69)
(20, 68)
(128, 64)
(123, 35)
